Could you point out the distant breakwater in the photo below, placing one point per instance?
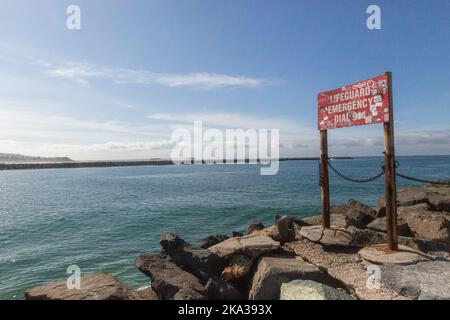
(128, 163)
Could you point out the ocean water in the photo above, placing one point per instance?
(101, 219)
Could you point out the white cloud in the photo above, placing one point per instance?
(81, 73)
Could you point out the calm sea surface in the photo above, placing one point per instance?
(101, 219)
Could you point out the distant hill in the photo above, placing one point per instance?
(18, 158)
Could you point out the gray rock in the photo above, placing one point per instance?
(423, 281)
(424, 208)
(272, 272)
(202, 263)
(327, 237)
(379, 224)
(146, 294)
(359, 213)
(255, 225)
(169, 281)
(336, 220)
(434, 227)
(286, 229)
(96, 286)
(252, 245)
(409, 197)
(236, 234)
(440, 202)
(366, 237)
(310, 290)
(212, 240)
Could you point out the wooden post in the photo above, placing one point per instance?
(389, 165)
(324, 183)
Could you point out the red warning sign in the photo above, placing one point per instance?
(364, 102)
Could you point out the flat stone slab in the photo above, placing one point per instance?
(253, 245)
(422, 281)
(311, 290)
(96, 286)
(327, 237)
(380, 254)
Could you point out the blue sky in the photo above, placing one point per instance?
(137, 70)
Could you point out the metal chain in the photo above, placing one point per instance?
(441, 182)
(353, 179)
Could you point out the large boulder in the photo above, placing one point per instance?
(272, 272)
(96, 286)
(379, 224)
(423, 281)
(311, 290)
(287, 227)
(403, 212)
(440, 202)
(430, 226)
(252, 245)
(202, 263)
(409, 197)
(169, 281)
(359, 213)
(255, 225)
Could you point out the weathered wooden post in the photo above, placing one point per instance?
(389, 165)
(324, 182)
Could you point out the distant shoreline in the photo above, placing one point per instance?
(125, 163)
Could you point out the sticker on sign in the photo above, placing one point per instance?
(364, 102)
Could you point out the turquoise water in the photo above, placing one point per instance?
(102, 218)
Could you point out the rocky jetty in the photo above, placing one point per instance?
(295, 259)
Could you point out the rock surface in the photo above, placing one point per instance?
(96, 286)
(272, 272)
(252, 245)
(327, 237)
(379, 224)
(255, 225)
(146, 294)
(423, 281)
(212, 240)
(344, 266)
(271, 232)
(359, 213)
(409, 197)
(169, 281)
(430, 226)
(202, 263)
(310, 290)
(380, 254)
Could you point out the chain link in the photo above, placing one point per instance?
(353, 179)
(440, 182)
